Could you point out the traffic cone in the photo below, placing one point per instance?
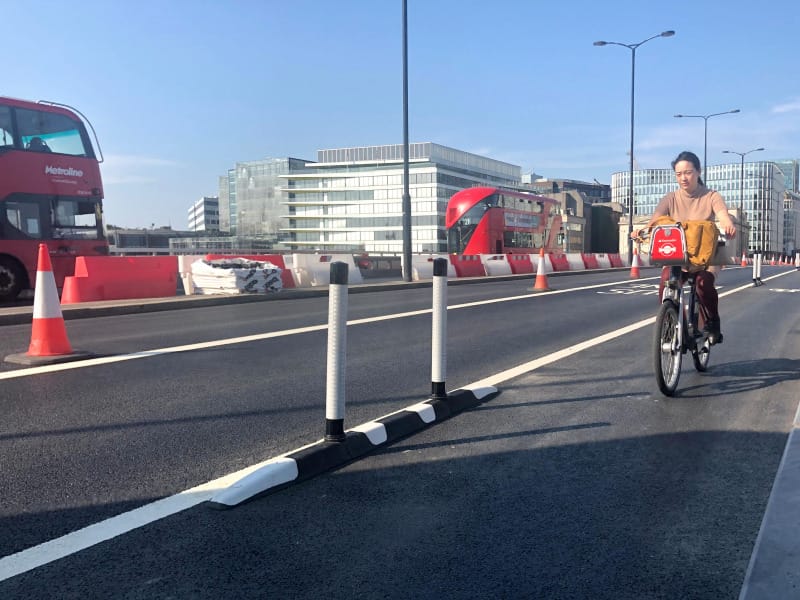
(744, 259)
(49, 343)
(635, 265)
(540, 285)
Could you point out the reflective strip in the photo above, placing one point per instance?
(424, 410)
(46, 304)
(376, 432)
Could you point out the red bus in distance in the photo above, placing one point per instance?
(484, 220)
(50, 192)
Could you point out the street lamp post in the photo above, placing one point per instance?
(406, 204)
(632, 48)
(741, 182)
(705, 131)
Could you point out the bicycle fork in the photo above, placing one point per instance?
(675, 344)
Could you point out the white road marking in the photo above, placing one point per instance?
(105, 360)
(71, 543)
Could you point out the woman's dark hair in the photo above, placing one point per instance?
(689, 157)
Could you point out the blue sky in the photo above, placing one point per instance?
(179, 91)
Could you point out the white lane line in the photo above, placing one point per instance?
(71, 543)
(105, 360)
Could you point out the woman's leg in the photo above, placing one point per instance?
(707, 294)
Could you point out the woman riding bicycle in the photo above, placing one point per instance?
(693, 201)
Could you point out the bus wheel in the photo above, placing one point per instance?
(11, 279)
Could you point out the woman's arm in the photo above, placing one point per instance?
(724, 218)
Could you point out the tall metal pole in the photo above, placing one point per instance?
(630, 183)
(741, 189)
(406, 193)
(705, 133)
(632, 48)
(741, 198)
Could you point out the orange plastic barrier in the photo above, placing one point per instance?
(590, 261)
(559, 262)
(616, 260)
(467, 266)
(520, 263)
(120, 278)
(275, 259)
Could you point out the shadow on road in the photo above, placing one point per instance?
(661, 516)
(743, 376)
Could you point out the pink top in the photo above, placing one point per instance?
(700, 206)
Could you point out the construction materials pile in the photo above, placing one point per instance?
(235, 276)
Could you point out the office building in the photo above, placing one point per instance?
(204, 214)
(350, 199)
(251, 201)
(791, 204)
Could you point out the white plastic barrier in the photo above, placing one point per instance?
(496, 264)
(422, 266)
(603, 261)
(575, 261)
(185, 271)
(312, 270)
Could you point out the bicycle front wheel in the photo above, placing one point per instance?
(667, 353)
(700, 356)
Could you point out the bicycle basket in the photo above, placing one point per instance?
(668, 245)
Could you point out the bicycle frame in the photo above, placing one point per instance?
(688, 308)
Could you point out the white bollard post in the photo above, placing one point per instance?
(439, 329)
(337, 347)
(758, 268)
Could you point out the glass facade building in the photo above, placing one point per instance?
(760, 193)
(791, 204)
(350, 200)
(251, 197)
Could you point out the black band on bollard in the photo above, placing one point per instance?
(334, 429)
(338, 273)
(439, 267)
(438, 389)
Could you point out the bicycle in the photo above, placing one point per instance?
(680, 320)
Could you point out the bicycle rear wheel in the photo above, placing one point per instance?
(667, 353)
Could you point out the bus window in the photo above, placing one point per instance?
(50, 132)
(23, 216)
(6, 135)
(75, 219)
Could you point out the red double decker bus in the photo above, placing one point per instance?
(50, 192)
(484, 220)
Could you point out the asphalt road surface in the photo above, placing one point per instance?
(578, 480)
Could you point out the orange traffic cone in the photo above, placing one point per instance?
(49, 343)
(744, 259)
(540, 285)
(635, 265)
